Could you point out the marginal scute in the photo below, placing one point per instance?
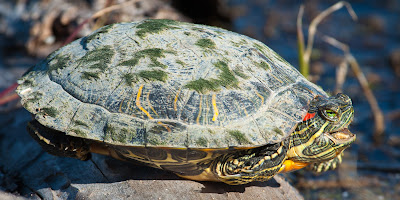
(78, 132)
(202, 142)
(122, 130)
(239, 136)
(52, 112)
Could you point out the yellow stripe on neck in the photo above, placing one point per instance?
(296, 151)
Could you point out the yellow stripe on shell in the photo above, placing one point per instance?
(138, 102)
(214, 104)
(245, 112)
(120, 106)
(277, 78)
(261, 97)
(207, 110)
(176, 100)
(198, 116)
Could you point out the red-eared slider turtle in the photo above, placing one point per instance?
(200, 101)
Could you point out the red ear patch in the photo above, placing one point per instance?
(308, 116)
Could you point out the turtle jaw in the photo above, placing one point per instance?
(341, 137)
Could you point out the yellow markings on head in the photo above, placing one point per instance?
(296, 151)
(317, 134)
(198, 116)
(138, 103)
(176, 100)
(305, 128)
(214, 104)
(261, 97)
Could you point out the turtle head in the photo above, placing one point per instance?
(323, 134)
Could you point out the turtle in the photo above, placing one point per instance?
(200, 101)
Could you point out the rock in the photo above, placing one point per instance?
(26, 170)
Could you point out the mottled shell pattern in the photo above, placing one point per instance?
(164, 83)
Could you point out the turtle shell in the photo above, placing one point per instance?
(162, 83)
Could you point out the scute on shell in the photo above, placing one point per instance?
(167, 83)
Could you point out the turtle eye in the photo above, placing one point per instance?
(330, 115)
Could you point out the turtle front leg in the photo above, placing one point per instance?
(245, 166)
(327, 165)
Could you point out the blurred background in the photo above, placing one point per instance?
(31, 29)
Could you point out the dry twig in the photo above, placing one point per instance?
(97, 15)
(8, 94)
(377, 112)
(341, 74)
(304, 58)
(304, 68)
(8, 98)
